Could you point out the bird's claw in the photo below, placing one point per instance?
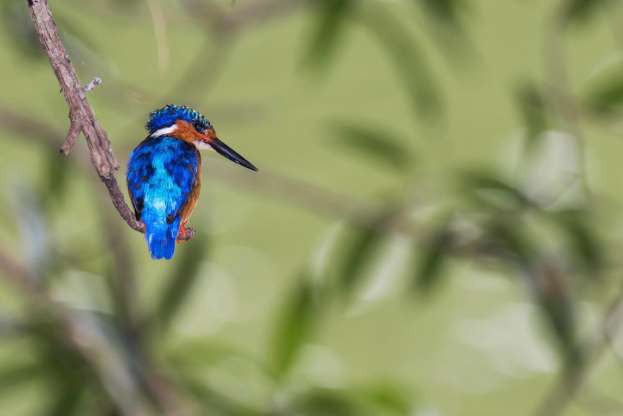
(185, 234)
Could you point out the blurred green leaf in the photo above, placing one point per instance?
(375, 143)
(182, 280)
(17, 373)
(605, 96)
(447, 12)
(532, 106)
(504, 235)
(330, 19)
(358, 248)
(325, 402)
(407, 58)
(196, 356)
(488, 188)
(67, 401)
(214, 403)
(388, 398)
(55, 180)
(587, 248)
(294, 327)
(433, 259)
(57, 360)
(582, 10)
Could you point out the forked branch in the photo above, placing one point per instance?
(81, 116)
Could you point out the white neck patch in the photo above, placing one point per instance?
(165, 130)
(202, 145)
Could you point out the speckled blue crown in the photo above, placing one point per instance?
(167, 115)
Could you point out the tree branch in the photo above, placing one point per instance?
(569, 382)
(81, 116)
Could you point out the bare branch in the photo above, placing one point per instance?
(81, 115)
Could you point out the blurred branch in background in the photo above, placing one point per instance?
(214, 19)
(570, 381)
(81, 334)
(562, 97)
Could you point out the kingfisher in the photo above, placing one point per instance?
(164, 174)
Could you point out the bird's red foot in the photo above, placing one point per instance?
(185, 233)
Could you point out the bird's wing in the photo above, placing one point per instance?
(140, 170)
(161, 177)
(183, 173)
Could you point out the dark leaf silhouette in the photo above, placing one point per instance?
(213, 402)
(182, 280)
(66, 402)
(17, 374)
(323, 402)
(295, 326)
(55, 182)
(582, 10)
(605, 97)
(533, 109)
(585, 245)
(487, 188)
(376, 143)
(447, 12)
(505, 236)
(433, 258)
(408, 60)
(357, 249)
(388, 398)
(329, 24)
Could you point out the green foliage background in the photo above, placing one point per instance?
(435, 228)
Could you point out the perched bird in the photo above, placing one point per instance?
(164, 174)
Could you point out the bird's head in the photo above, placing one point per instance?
(186, 124)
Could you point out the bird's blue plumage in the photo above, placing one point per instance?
(161, 174)
(169, 114)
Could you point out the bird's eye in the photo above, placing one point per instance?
(198, 126)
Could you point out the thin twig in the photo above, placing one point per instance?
(81, 115)
(94, 83)
(72, 135)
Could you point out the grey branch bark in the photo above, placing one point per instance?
(81, 116)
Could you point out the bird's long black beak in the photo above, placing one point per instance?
(230, 153)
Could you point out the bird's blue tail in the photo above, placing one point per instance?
(161, 237)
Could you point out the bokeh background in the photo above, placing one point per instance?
(435, 228)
